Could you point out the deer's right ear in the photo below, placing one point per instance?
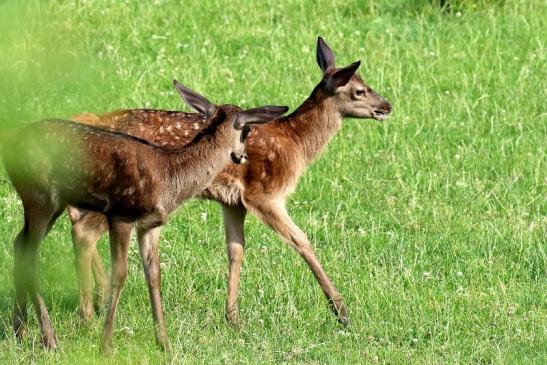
(260, 115)
(324, 55)
(194, 100)
(341, 76)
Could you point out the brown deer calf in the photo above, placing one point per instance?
(53, 163)
(279, 153)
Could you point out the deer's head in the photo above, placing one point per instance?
(353, 97)
(238, 120)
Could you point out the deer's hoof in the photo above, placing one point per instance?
(107, 350)
(162, 341)
(233, 319)
(343, 320)
(106, 346)
(164, 345)
(49, 342)
(341, 312)
(343, 315)
(86, 315)
(20, 331)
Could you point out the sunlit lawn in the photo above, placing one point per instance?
(432, 224)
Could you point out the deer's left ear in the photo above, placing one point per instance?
(194, 100)
(341, 76)
(324, 55)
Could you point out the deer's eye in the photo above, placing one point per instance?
(360, 92)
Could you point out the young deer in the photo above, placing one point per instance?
(164, 128)
(53, 163)
(278, 154)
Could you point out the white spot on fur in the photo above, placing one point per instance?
(178, 125)
(129, 191)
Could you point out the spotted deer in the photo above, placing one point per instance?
(279, 153)
(133, 182)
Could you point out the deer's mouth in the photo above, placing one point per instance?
(379, 114)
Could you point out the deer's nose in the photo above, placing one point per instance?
(384, 109)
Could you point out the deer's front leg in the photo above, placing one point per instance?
(120, 235)
(148, 247)
(234, 219)
(275, 215)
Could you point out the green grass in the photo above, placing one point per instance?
(432, 224)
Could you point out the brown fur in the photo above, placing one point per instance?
(278, 155)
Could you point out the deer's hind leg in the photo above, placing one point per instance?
(234, 220)
(87, 229)
(40, 215)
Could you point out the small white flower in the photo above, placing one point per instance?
(128, 330)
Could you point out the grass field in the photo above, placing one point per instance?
(433, 224)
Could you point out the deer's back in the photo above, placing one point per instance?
(161, 127)
(83, 167)
(274, 162)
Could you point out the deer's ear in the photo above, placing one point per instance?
(260, 115)
(341, 76)
(195, 101)
(324, 55)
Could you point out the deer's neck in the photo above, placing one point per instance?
(312, 125)
(192, 168)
